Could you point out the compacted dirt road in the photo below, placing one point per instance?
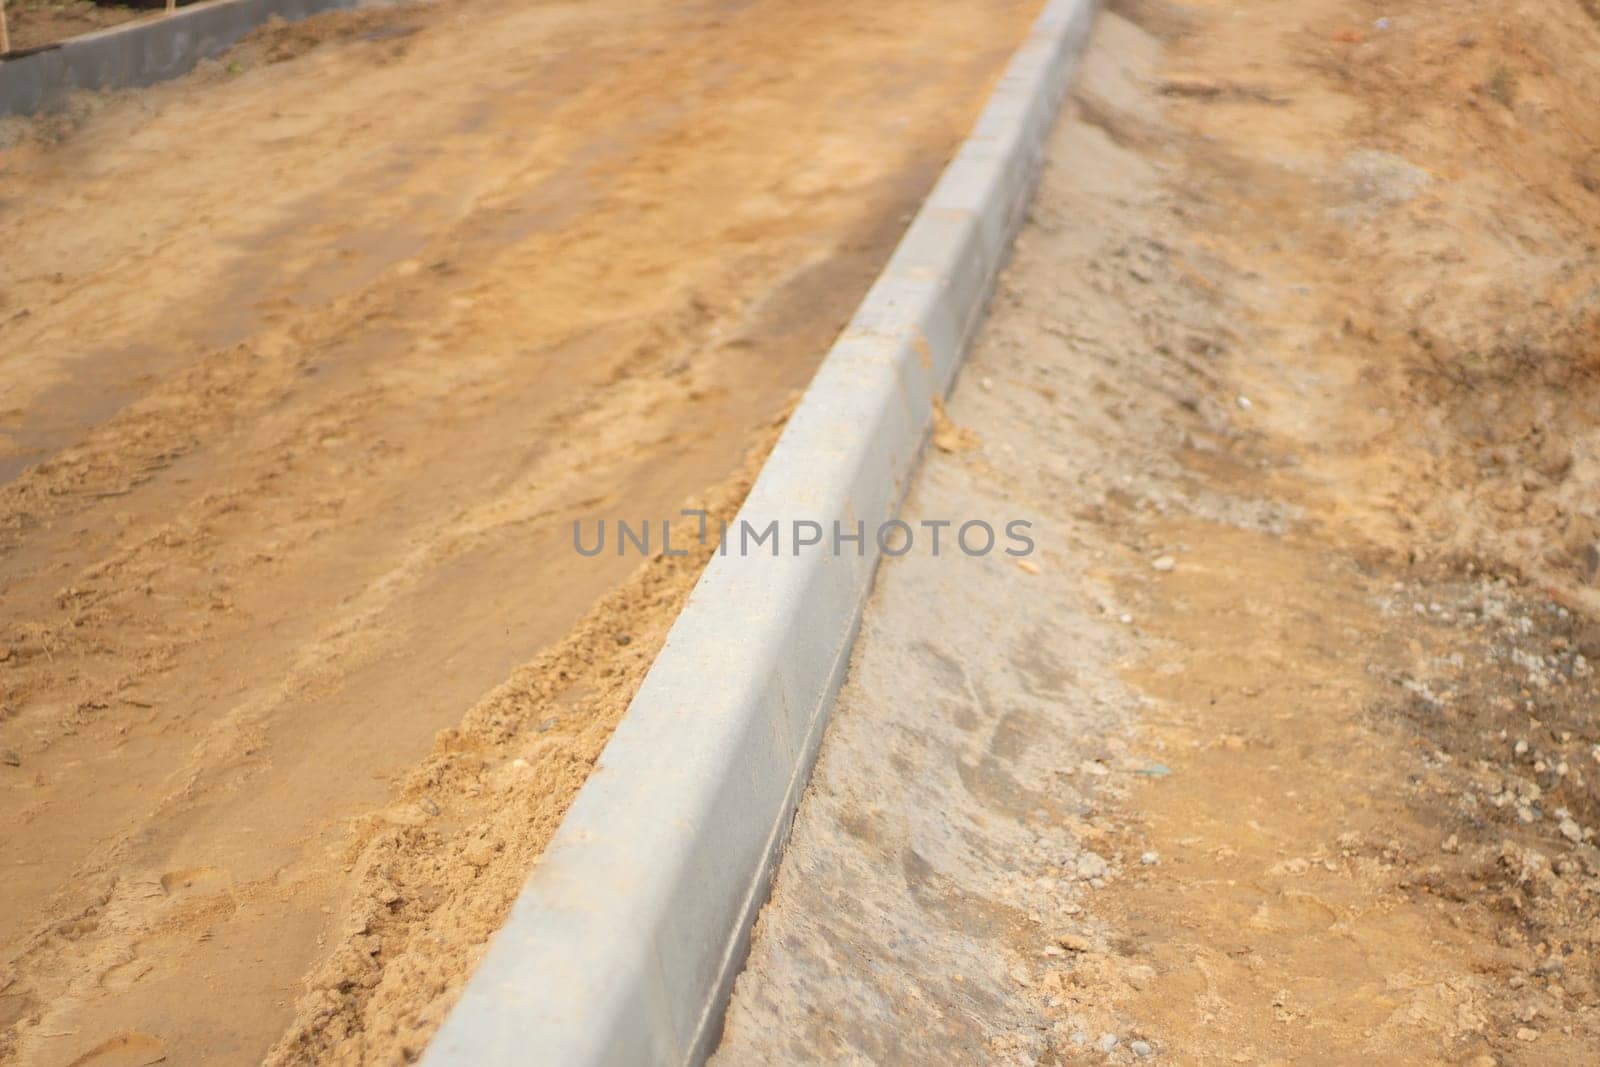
(1283, 747)
(307, 365)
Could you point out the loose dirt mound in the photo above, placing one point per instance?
(1406, 201)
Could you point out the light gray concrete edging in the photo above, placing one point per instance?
(139, 53)
(623, 946)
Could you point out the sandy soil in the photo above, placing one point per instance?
(32, 23)
(307, 365)
(1287, 753)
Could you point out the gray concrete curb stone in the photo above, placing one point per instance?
(139, 53)
(624, 944)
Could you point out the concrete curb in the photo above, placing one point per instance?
(139, 53)
(624, 944)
